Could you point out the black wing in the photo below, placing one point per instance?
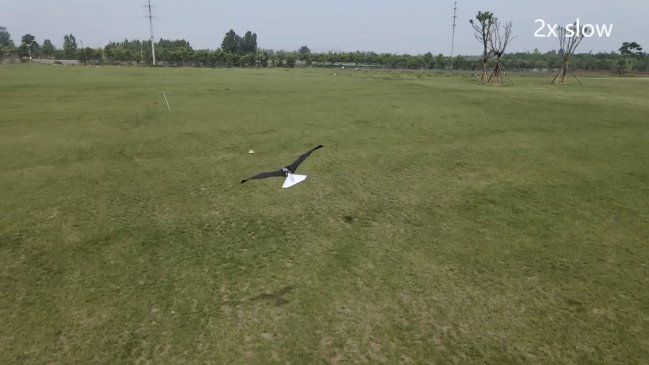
(292, 167)
(264, 175)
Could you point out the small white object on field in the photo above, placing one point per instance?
(166, 101)
(343, 67)
(251, 151)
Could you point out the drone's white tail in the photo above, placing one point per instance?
(293, 179)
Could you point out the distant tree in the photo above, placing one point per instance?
(58, 54)
(626, 64)
(290, 60)
(178, 52)
(218, 58)
(69, 46)
(5, 38)
(83, 54)
(249, 43)
(253, 43)
(277, 59)
(231, 42)
(440, 61)
(428, 60)
(630, 49)
(263, 59)
(48, 48)
(234, 44)
(36, 49)
(26, 44)
(304, 54)
(201, 58)
(460, 63)
(248, 60)
(27, 39)
(482, 32)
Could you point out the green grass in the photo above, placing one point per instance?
(443, 221)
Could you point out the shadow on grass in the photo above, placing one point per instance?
(276, 296)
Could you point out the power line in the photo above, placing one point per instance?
(151, 29)
(453, 37)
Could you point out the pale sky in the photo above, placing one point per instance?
(405, 26)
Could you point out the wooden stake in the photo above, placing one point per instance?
(166, 101)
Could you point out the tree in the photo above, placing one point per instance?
(482, 32)
(498, 41)
(36, 49)
(290, 60)
(234, 44)
(440, 61)
(428, 60)
(69, 46)
(263, 59)
(231, 42)
(48, 48)
(304, 54)
(26, 45)
(625, 65)
(630, 49)
(201, 58)
(248, 60)
(568, 42)
(5, 38)
(249, 43)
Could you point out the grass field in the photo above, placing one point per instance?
(443, 222)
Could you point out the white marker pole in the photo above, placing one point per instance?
(166, 101)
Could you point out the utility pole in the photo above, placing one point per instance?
(151, 28)
(453, 37)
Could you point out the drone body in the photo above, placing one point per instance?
(293, 179)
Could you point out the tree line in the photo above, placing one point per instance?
(243, 51)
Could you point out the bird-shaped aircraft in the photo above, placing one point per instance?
(287, 171)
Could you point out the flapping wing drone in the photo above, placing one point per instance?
(287, 171)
